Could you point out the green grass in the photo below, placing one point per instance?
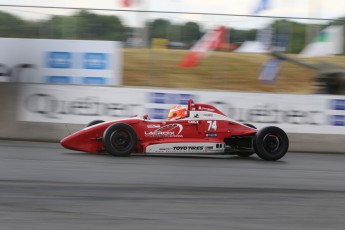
(219, 70)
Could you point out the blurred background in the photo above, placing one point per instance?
(156, 36)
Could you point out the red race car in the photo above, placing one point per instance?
(198, 129)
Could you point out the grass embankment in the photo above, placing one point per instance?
(220, 70)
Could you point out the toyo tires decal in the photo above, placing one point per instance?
(186, 147)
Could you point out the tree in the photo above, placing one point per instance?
(104, 27)
(11, 26)
(191, 32)
(159, 28)
(240, 36)
(297, 37)
(175, 33)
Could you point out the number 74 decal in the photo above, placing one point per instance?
(212, 125)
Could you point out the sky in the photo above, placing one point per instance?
(284, 8)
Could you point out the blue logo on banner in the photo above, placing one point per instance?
(158, 113)
(59, 79)
(94, 81)
(62, 60)
(95, 61)
(337, 120)
(337, 105)
(170, 98)
(161, 99)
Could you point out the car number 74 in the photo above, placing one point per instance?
(212, 125)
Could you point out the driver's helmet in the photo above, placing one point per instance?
(177, 112)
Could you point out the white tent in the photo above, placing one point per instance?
(252, 47)
(328, 42)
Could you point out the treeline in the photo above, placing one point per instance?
(85, 25)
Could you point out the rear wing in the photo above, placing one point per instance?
(203, 107)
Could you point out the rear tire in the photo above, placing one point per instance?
(120, 139)
(95, 122)
(271, 143)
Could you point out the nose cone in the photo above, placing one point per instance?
(83, 140)
(69, 142)
(74, 141)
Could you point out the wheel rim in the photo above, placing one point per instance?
(120, 139)
(271, 143)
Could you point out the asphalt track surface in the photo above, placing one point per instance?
(43, 186)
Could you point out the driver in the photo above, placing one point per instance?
(177, 112)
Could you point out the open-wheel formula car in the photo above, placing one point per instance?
(198, 129)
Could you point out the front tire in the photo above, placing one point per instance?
(250, 125)
(120, 139)
(95, 122)
(271, 143)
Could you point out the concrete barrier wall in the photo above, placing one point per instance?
(13, 129)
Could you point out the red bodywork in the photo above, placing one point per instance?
(204, 124)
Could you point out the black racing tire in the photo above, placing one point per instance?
(250, 125)
(120, 139)
(95, 122)
(271, 143)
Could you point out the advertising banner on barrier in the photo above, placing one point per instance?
(61, 61)
(77, 104)
(323, 114)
